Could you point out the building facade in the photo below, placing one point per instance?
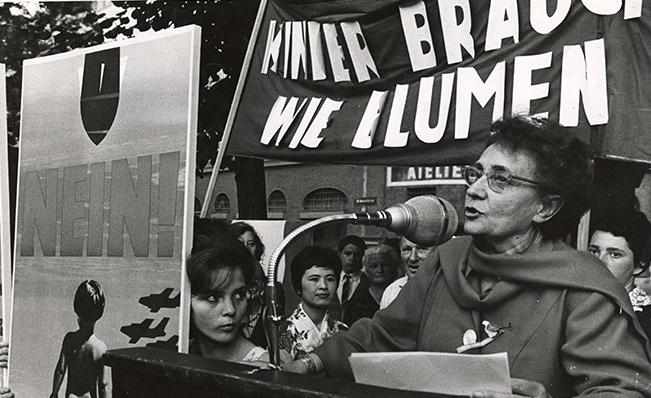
(303, 192)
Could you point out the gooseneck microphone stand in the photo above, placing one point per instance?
(425, 220)
(273, 313)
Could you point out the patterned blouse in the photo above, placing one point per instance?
(639, 299)
(301, 335)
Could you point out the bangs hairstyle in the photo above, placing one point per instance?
(89, 301)
(632, 226)
(561, 161)
(311, 256)
(213, 268)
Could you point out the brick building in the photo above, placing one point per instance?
(299, 193)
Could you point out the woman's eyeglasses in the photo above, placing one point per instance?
(498, 180)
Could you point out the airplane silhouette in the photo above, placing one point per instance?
(161, 300)
(136, 331)
(169, 344)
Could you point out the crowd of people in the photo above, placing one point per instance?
(226, 263)
(572, 322)
(566, 322)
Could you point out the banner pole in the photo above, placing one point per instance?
(583, 232)
(5, 221)
(234, 105)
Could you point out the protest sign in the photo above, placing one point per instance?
(418, 83)
(105, 193)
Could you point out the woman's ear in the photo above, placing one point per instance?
(550, 205)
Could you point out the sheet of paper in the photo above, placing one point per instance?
(444, 373)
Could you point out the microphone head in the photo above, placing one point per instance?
(426, 220)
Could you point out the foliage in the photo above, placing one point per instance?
(225, 30)
(62, 26)
(53, 28)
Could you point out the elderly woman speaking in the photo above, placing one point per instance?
(513, 286)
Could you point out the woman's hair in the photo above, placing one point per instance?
(311, 256)
(562, 162)
(632, 226)
(206, 231)
(228, 254)
(239, 228)
(382, 250)
(89, 301)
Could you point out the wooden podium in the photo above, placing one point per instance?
(149, 372)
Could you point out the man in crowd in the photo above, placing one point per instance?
(411, 255)
(351, 250)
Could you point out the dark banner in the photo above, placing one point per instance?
(419, 82)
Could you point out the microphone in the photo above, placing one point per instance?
(426, 220)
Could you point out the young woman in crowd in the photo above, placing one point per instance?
(220, 279)
(254, 329)
(315, 275)
(618, 240)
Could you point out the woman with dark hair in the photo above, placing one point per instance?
(250, 238)
(315, 276)
(513, 285)
(254, 329)
(619, 240)
(220, 278)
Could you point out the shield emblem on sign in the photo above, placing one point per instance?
(100, 92)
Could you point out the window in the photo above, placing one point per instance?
(325, 200)
(276, 202)
(222, 204)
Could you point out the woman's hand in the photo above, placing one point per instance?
(519, 388)
(299, 366)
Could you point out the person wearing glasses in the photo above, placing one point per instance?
(513, 285)
(412, 255)
(619, 240)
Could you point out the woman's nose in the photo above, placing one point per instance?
(478, 188)
(228, 308)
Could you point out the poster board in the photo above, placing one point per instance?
(105, 192)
